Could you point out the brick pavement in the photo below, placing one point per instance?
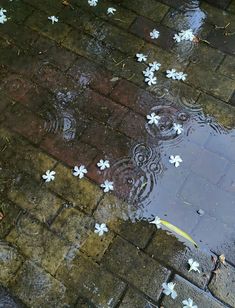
(73, 93)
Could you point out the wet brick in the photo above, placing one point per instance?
(10, 212)
(82, 193)
(219, 4)
(228, 181)
(186, 290)
(142, 28)
(231, 7)
(222, 284)
(136, 268)
(38, 243)
(39, 202)
(216, 84)
(134, 299)
(18, 10)
(89, 74)
(133, 125)
(47, 6)
(150, 9)
(92, 282)
(10, 262)
(227, 68)
(223, 42)
(7, 300)
(37, 288)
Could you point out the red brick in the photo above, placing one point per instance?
(107, 140)
(70, 153)
(128, 94)
(143, 26)
(24, 122)
(133, 125)
(101, 108)
(90, 74)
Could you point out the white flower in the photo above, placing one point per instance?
(154, 34)
(148, 72)
(3, 17)
(176, 160)
(171, 73)
(92, 2)
(53, 19)
(155, 66)
(153, 118)
(101, 229)
(181, 76)
(157, 222)
(193, 265)
(151, 80)
(81, 171)
(103, 164)
(49, 176)
(178, 128)
(107, 186)
(111, 11)
(141, 57)
(177, 38)
(168, 289)
(188, 303)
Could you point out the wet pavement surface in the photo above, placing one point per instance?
(73, 93)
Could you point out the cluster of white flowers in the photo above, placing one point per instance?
(184, 35)
(110, 10)
(3, 17)
(148, 73)
(173, 74)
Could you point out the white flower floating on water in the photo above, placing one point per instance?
(3, 17)
(153, 118)
(101, 229)
(148, 72)
(176, 160)
(107, 186)
(103, 164)
(141, 57)
(111, 11)
(193, 265)
(184, 35)
(178, 128)
(154, 34)
(49, 176)
(81, 171)
(155, 66)
(168, 289)
(150, 80)
(188, 303)
(53, 19)
(157, 222)
(93, 2)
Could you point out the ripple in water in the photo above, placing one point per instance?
(168, 116)
(135, 177)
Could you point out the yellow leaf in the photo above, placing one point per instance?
(178, 231)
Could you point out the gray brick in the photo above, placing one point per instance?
(134, 299)
(222, 284)
(228, 182)
(227, 68)
(8, 301)
(136, 267)
(187, 290)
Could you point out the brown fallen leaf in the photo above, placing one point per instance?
(1, 216)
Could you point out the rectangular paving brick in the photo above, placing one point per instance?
(216, 84)
(186, 290)
(222, 284)
(149, 8)
(142, 28)
(7, 300)
(10, 261)
(89, 74)
(113, 143)
(47, 6)
(144, 273)
(212, 200)
(82, 193)
(18, 9)
(222, 41)
(38, 243)
(133, 125)
(38, 202)
(134, 299)
(92, 282)
(35, 287)
(10, 212)
(228, 181)
(227, 68)
(210, 166)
